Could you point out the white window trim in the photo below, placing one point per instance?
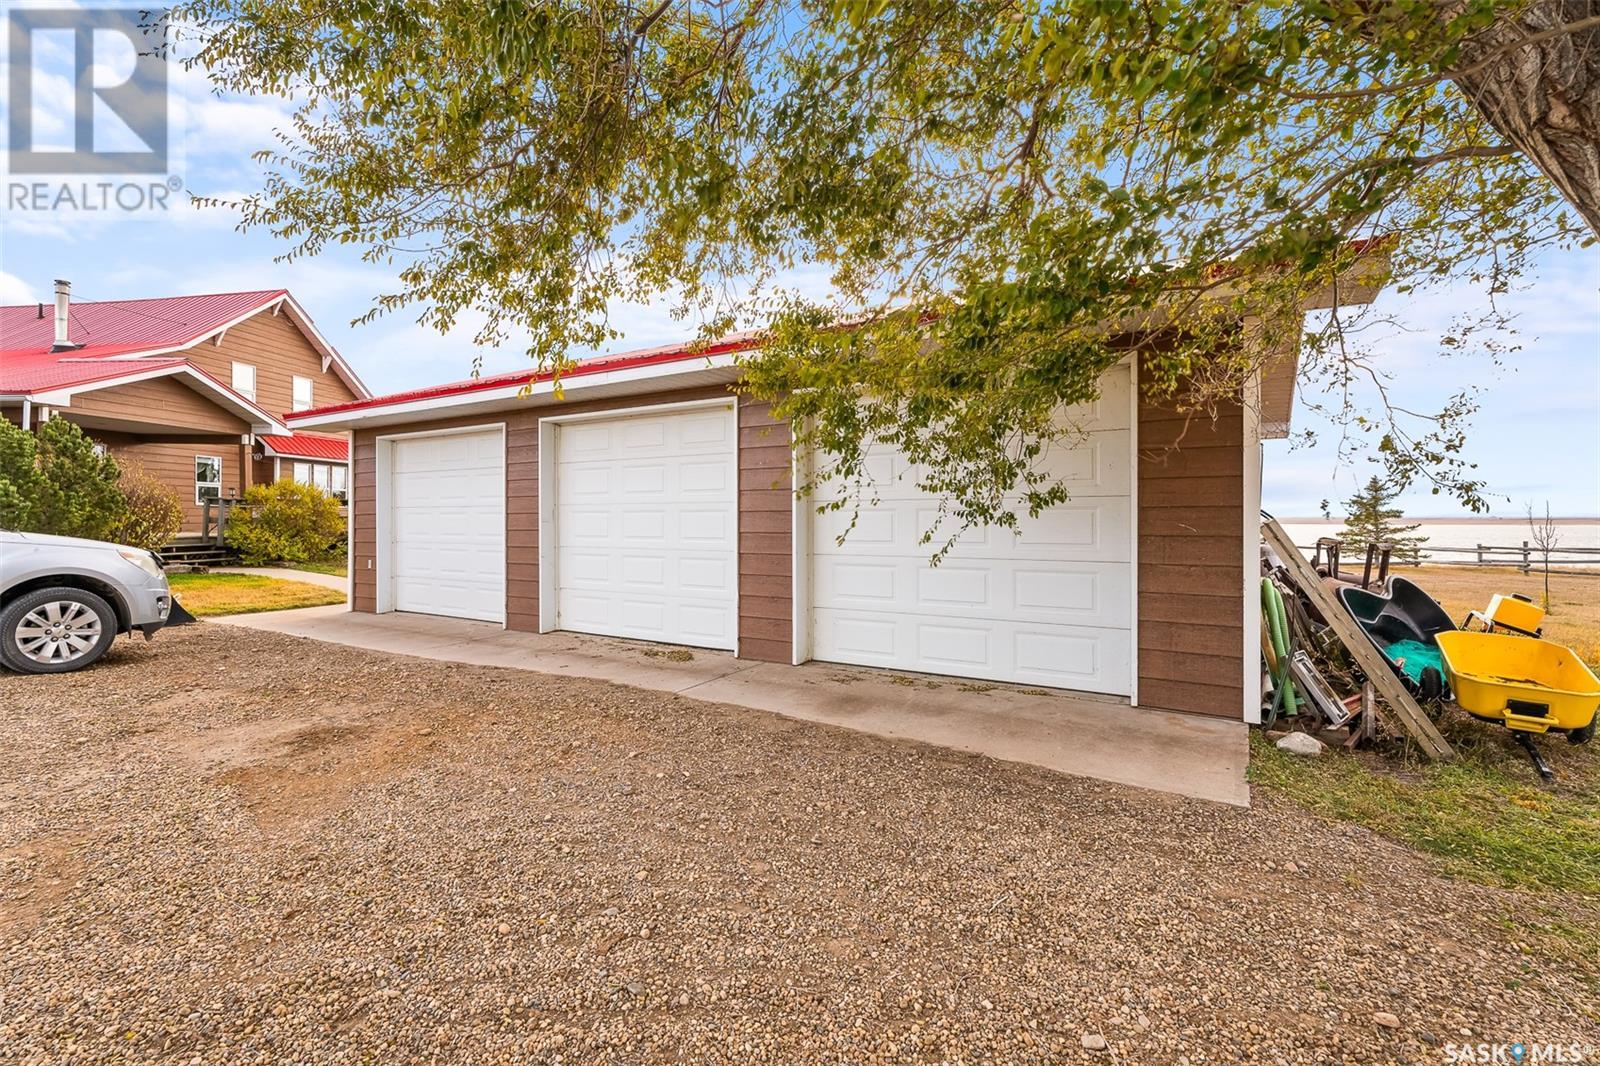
(250, 393)
(311, 468)
(198, 484)
(294, 393)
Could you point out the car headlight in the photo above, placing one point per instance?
(144, 560)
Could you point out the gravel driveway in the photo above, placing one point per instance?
(228, 845)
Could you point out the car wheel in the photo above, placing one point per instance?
(55, 630)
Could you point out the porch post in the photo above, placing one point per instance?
(246, 465)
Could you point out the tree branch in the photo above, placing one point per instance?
(1487, 61)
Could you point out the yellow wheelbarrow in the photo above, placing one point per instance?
(1526, 684)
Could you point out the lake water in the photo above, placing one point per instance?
(1468, 533)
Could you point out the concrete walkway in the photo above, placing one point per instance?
(327, 581)
(1071, 733)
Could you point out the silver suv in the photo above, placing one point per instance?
(63, 600)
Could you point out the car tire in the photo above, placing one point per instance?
(55, 630)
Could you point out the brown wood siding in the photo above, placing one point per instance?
(1191, 578)
(766, 536)
(274, 345)
(522, 496)
(173, 466)
(363, 521)
(161, 401)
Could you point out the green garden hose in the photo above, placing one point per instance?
(1278, 632)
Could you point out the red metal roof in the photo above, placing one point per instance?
(110, 327)
(307, 446)
(33, 372)
(674, 353)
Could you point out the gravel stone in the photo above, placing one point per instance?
(230, 846)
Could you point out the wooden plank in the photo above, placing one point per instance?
(1411, 715)
(1219, 701)
(770, 651)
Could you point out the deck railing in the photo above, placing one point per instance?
(214, 519)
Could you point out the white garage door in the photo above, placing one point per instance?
(1050, 607)
(646, 527)
(447, 500)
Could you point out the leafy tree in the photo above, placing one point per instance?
(285, 521)
(1005, 196)
(151, 514)
(55, 481)
(1370, 517)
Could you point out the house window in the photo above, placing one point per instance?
(302, 393)
(207, 478)
(244, 380)
(329, 477)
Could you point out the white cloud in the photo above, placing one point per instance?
(13, 290)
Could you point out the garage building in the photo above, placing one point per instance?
(648, 501)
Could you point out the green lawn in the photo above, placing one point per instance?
(338, 567)
(1485, 815)
(208, 594)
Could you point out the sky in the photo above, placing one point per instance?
(1536, 437)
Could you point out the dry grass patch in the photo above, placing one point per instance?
(214, 594)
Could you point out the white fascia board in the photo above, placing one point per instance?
(570, 386)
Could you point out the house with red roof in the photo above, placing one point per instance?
(197, 390)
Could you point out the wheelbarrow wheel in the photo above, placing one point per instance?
(1584, 735)
(1430, 686)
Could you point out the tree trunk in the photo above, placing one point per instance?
(1544, 97)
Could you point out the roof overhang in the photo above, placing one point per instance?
(576, 385)
(1280, 361)
(308, 453)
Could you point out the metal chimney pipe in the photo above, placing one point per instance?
(63, 309)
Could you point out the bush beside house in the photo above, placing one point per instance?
(151, 515)
(284, 522)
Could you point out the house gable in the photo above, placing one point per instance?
(279, 351)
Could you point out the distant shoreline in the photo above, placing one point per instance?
(1409, 519)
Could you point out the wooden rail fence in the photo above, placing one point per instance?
(1525, 557)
